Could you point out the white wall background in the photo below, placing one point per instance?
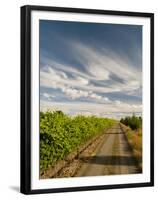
(10, 98)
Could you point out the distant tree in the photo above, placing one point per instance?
(133, 122)
(59, 112)
(122, 120)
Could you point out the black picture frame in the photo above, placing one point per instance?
(25, 182)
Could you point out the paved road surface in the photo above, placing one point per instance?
(112, 156)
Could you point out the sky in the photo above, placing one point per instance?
(91, 68)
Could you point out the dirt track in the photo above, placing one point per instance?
(113, 155)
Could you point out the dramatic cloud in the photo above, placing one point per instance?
(90, 78)
(59, 80)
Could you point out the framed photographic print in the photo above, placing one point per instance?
(87, 99)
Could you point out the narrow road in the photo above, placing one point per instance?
(112, 156)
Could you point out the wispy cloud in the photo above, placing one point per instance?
(96, 72)
(70, 87)
(112, 109)
(98, 67)
(101, 63)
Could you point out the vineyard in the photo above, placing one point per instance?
(61, 134)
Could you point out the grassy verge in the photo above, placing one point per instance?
(61, 135)
(135, 140)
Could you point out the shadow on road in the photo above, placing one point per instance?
(115, 132)
(110, 160)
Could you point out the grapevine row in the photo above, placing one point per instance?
(61, 134)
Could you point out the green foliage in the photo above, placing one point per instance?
(61, 134)
(133, 122)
